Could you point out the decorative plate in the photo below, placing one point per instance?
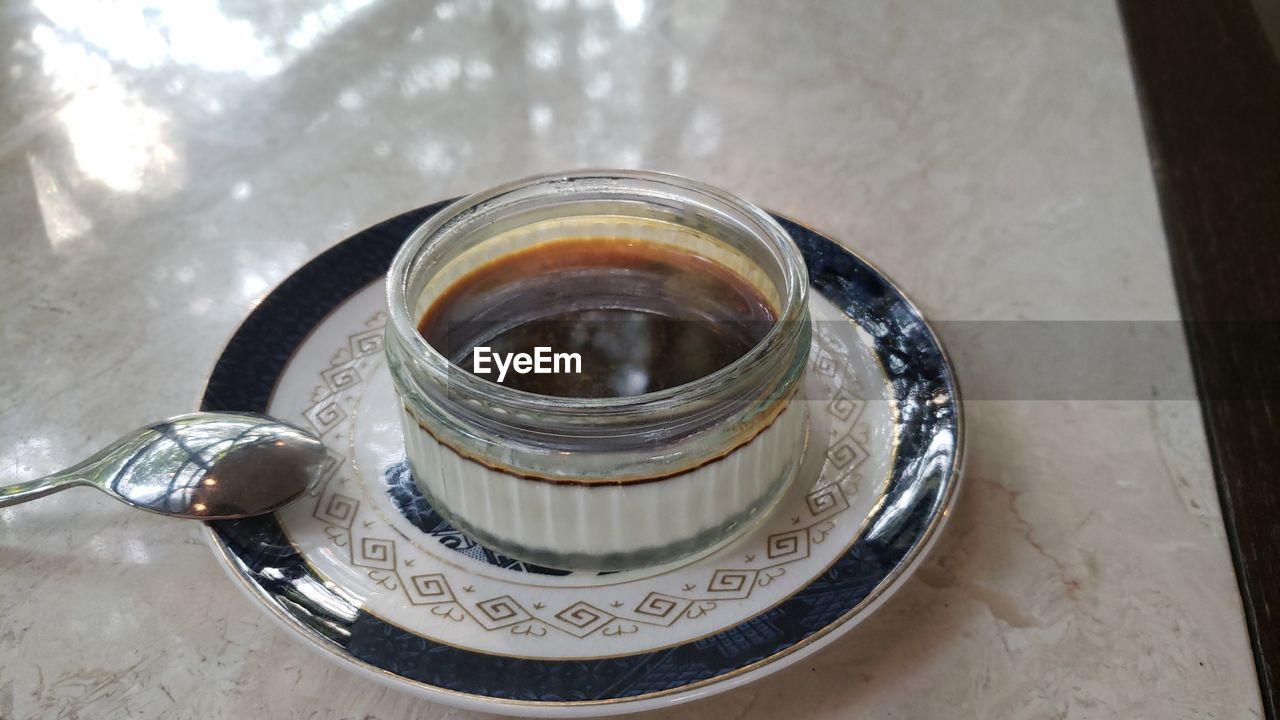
(365, 571)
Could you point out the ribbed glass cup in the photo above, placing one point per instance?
(601, 483)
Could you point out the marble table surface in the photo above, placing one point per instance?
(162, 166)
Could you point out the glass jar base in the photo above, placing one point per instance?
(703, 543)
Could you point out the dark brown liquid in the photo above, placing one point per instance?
(642, 316)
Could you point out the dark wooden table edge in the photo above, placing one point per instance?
(1208, 81)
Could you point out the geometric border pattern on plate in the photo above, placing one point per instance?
(349, 367)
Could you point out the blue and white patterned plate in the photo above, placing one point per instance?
(367, 572)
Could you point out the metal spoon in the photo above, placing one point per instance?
(209, 466)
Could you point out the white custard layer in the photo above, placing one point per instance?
(603, 519)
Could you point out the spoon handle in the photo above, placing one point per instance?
(31, 489)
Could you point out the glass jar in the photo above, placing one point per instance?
(601, 483)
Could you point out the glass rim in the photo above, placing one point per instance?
(792, 312)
